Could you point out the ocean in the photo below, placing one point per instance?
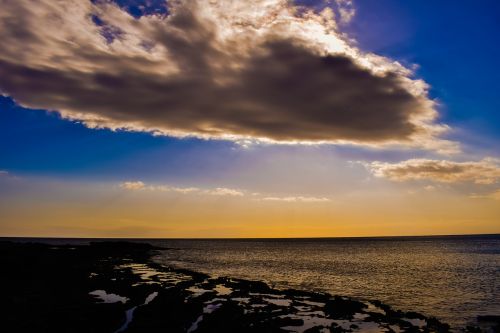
(454, 278)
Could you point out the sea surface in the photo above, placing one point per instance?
(454, 278)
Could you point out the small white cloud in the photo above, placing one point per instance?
(296, 199)
(225, 191)
(134, 185)
(185, 190)
(346, 10)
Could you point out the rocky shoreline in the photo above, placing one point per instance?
(116, 287)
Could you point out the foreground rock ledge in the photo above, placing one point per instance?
(115, 287)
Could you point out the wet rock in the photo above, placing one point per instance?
(414, 315)
(342, 308)
(489, 322)
(253, 286)
(434, 325)
(316, 329)
(228, 318)
(387, 309)
(489, 318)
(337, 329)
(167, 312)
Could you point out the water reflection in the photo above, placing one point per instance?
(455, 279)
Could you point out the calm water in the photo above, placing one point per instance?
(452, 278)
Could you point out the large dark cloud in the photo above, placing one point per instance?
(183, 75)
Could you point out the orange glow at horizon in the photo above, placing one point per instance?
(112, 213)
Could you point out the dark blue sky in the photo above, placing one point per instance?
(455, 44)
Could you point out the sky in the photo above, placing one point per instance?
(234, 119)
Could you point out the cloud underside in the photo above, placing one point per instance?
(486, 171)
(231, 70)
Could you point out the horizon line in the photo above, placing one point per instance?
(249, 238)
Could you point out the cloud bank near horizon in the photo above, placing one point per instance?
(268, 71)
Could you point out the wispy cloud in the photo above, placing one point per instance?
(225, 191)
(346, 10)
(495, 195)
(236, 70)
(141, 186)
(297, 199)
(218, 191)
(136, 185)
(486, 171)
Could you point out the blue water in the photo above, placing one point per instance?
(454, 278)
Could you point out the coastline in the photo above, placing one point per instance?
(116, 287)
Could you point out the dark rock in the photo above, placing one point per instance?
(489, 318)
(228, 318)
(337, 329)
(251, 286)
(166, 313)
(315, 329)
(414, 315)
(435, 325)
(342, 308)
